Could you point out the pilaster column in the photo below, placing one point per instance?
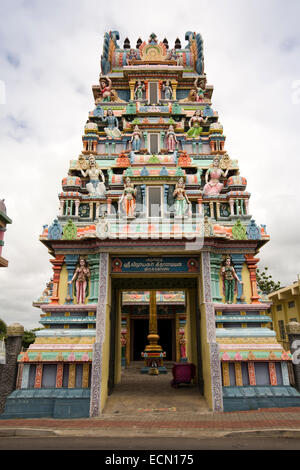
(231, 205)
(109, 202)
(131, 86)
(247, 206)
(59, 375)
(238, 261)
(208, 311)
(97, 365)
(252, 266)
(85, 375)
(38, 376)
(71, 261)
(93, 261)
(200, 207)
(77, 203)
(162, 136)
(57, 263)
(61, 207)
(145, 135)
(215, 264)
(212, 212)
(174, 88)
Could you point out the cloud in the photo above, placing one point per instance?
(49, 60)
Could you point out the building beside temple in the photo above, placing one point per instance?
(285, 308)
(4, 220)
(154, 250)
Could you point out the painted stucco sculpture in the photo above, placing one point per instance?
(128, 162)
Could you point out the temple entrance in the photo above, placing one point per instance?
(140, 331)
(156, 315)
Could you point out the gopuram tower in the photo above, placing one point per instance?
(154, 250)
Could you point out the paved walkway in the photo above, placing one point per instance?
(146, 405)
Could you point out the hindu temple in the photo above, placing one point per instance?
(154, 249)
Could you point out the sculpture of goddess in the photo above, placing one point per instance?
(167, 89)
(200, 91)
(112, 131)
(230, 280)
(136, 139)
(138, 92)
(128, 198)
(195, 124)
(94, 187)
(171, 139)
(105, 88)
(82, 275)
(213, 186)
(182, 201)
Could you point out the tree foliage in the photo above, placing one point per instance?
(3, 329)
(29, 337)
(265, 282)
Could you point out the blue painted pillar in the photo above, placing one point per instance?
(25, 376)
(93, 261)
(215, 265)
(238, 261)
(71, 261)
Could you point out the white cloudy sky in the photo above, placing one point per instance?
(49, 60)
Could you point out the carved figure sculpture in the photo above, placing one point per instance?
(136, 139)
(171, 139)
(128, 198)
(105, 88)
(82, 275)
(167, 89)
(95, 186)
(195, 128)
(230, 280)
(182, 202)
(112, 130)
(200, 91)
(138, 92)
(213, 186)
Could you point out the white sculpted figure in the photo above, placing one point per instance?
(96, 185)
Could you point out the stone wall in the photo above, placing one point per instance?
(8, 371)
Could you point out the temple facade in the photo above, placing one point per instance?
(154, 249)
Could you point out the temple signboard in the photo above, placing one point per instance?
(148, 264)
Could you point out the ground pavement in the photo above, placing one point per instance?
(143, 405)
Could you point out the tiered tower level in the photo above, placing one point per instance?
(153, 202)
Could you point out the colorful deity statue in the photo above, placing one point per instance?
(167, 89)
(182, 343)
(195, 122)
(105, 88)
(136, 139)
(199, 90)
(128, 198)
(213, 186)
(82, 275)
(171, 139)
(182, 202)
(112, 130)
(96, 185)
(230, 280)
(139, 89)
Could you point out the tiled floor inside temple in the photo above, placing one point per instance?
(142, 393)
